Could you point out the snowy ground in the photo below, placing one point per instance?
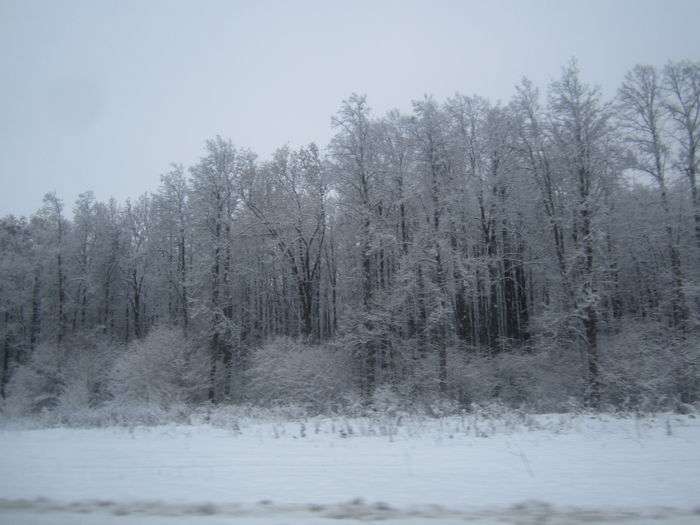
(557, 469)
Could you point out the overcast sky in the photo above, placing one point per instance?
(102, 96)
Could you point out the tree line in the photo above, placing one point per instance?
(411, 243)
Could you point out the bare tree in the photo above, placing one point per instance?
(682, 83)
(644, 117)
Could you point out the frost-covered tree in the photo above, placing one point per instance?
(644, 115)
(463, 250)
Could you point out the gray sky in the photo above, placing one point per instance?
(102, 96)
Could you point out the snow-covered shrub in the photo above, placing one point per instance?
(559, 379)
(86, 371)
(36, 385)
(68, 377)
(536, 379)
(285, 371)
(163, 368)
(646, 366)
(386, 399)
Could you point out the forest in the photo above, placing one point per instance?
(542, 253)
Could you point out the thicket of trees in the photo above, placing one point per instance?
(533, 252)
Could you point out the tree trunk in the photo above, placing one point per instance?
(5, 377)
(61, 297)
(216, 308)
(35, 322)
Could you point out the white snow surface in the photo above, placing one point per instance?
(566, 469)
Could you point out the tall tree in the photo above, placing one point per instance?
(214, 192)
(52, 213)
(581, 128)
(682, 81)
(644, 117)
(354, 154)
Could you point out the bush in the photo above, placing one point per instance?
(285, 371)
(92, 380)
(71, 376)
(162, 369)
(647, 366)
(543, 380)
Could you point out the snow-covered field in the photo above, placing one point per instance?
(558, 469)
